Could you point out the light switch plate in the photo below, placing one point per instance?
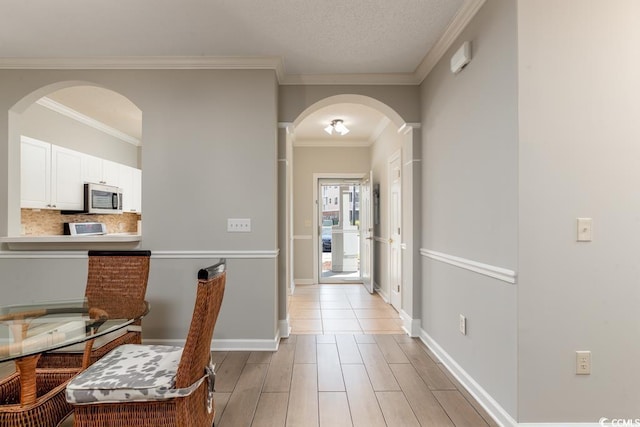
(238, 225)
(462, 325)
(585, 229)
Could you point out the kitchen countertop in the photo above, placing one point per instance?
(71, 242)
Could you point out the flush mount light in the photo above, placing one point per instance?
(336, 126)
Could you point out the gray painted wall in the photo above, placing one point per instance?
(579, 151)
(210, 153)
(470, 201)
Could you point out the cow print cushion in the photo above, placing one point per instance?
(131, 372)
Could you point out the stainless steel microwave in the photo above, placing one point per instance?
(102, 199)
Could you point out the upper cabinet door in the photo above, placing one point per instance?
(67, 190)
(35, 174)
(111, 173)
(92, 169)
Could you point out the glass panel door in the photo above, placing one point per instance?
(339, 213)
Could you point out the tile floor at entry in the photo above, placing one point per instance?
(340, 308)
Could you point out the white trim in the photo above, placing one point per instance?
(226, 344)
(303, 281)
(43, 255)
(302, 237)
(562, 425)
(485, 400)
(458, 24)
(149, 63)
(284, 325)
(284, 125)
(351, 79)
(379, 291)
(499, 273)
(215, 254)
(154, 254)
(411, 326)
(412, 161)
(86, 120)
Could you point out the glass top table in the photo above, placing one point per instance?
(27, 331)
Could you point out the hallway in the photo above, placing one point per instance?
(340, 308)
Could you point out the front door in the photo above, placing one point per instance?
(339, 231)
(366, 232)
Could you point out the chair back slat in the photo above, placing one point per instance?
(117, 282)
(197, 348)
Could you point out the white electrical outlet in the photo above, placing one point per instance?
(463, 325)
(238, 225)
(583, 363)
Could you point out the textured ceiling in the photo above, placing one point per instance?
(310, 36)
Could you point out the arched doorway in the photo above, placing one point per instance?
(61, 136)
(303, 241)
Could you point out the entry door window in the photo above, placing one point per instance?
(340, 231)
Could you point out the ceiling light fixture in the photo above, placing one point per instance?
(337, 125)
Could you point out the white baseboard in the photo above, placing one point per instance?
(380, 292)
(564, 425)
(228, 345)
(303, 281)
(490, 405)
(411, 326)
(284, 328)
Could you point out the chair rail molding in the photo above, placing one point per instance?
(231, 254)
(503, 274)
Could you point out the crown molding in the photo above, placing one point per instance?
(149, 63)
(86, 120)
(351, 79)
(455, 28)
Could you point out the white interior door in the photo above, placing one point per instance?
(366, 232)
(395, 232)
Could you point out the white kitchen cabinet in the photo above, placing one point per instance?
(100, 171)
(51, 176)
(131, 184)
(35, 174)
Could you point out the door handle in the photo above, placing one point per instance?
(390, 240)
(369, 238)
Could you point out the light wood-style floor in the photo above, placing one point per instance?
(330, 309)
(339, 374)
(341, 380)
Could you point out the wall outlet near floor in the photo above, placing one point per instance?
(238, 225)
(583, 363)
(462, 325)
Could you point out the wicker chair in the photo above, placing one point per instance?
(116, 283)
(176, 386)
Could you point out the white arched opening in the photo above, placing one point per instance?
(405, 132)
(53, 119)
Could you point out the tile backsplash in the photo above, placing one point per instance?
(44, 222)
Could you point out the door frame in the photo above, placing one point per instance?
(396, 302)
(316, 223)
